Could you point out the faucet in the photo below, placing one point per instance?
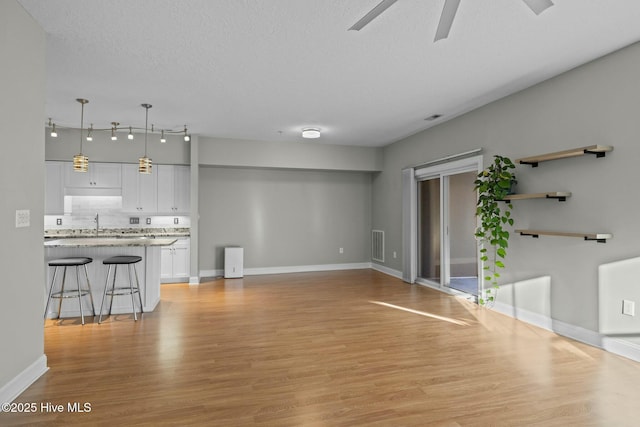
(97, 220)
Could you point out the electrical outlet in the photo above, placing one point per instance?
(58, 221)
(148, 221)
(628, 307)
(341, 250)
(395, 255)
(23, 218)
(176, 221)
(134, 220)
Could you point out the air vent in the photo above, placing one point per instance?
(377, 245)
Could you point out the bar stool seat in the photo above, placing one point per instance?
(114, 262)
(79, 292)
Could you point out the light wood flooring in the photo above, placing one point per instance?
(349, 348)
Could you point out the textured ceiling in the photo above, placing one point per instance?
(264, 69)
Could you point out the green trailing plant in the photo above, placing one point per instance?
(494, 184)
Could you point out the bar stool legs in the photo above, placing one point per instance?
(79, 292)
(121, 290)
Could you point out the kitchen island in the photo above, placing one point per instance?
(101, 248)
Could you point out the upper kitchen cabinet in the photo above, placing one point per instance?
(54, 188)
(139, 190)
(99, 175)
(174, 189)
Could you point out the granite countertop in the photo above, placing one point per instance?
(116, 232)
(82, 242)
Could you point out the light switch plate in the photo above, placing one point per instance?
(148, 221)
(134, 220)
(23, 218)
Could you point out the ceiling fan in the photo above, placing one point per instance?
(446, 18)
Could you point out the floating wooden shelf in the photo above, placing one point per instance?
(597, 150)
(560, 195)
(598, 237)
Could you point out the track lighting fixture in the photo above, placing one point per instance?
(80, 161)
(144, 163)
(114, 127)
(53, 133)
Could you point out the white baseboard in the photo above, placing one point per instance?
(613, 344)
(24, 379)
(386, 270)
(291, 269)
(194, 280)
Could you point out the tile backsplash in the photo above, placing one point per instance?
(80, 213)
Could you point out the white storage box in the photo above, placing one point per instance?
(233, 257)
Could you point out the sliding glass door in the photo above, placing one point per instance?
(446, 249)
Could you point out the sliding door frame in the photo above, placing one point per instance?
(410, 179)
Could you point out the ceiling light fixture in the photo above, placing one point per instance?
(130, 136)
(90, 134)
(187, 138)
(53, 133)
(311, 133)
(80, 161)
(144, 163)
(162, 138)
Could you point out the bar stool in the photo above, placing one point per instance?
(76, 293)
(115, 261)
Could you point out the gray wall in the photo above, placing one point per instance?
(302, 155)
(22, 82)
(598, 103)
(284, 217)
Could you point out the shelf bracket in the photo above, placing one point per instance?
(535, 236)
(597, 153)
(587, 238)
(559, 198)
(532, 164)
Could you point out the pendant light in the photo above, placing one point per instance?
(80, 161)
(144, 163)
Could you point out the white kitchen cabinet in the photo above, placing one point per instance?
(175, 261)
(139, 190)
(54, 188)
(174, 189)
(99, 175)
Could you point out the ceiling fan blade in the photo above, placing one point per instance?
(538, 6)
(373, 14)
(446, 19)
